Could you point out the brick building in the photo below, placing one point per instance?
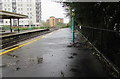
(52, 21)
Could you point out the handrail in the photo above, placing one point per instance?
(100, 29)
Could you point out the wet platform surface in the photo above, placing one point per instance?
(51, 57)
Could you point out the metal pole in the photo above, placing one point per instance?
(10, 25)
(73, 36)
(18, 26)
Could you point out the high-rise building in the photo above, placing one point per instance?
(32, 8)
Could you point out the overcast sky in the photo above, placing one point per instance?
(50, 8)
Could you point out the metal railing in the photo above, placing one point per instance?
(106, 41)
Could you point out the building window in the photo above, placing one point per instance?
(5, 9)
(13, 0)
(14, 6)
(1, 20)
(14, 9)
(28, 9)
(28, 0)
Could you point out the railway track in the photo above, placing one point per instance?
(10, 40)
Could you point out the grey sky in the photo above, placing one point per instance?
(50, 8)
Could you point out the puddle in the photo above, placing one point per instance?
(18, 68)
(62, 74)
(74, 54)
(14, 56)
(73, 70)
(69, 45)
(70, 57)
(17, 61)
(39, 60)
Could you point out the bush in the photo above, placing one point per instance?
(32, 28)
(6, 27)
(62, 25)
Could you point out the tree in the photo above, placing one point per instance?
(95, 14)
(44, 24)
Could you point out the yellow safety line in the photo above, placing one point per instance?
(5, 52)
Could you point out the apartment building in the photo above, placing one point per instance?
(52, 21)
(32, 8)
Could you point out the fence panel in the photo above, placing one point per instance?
(106, 41)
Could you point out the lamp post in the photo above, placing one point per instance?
(73, 36)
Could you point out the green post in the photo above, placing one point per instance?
(73, 29)
(73, 35)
